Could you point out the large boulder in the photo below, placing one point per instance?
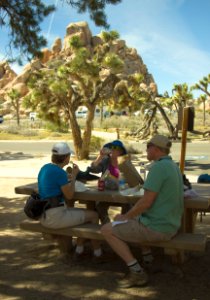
(56, 47)
(133, 62)
(80, 29)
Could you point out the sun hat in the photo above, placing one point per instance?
(61, 148)
(116, 143)
(160, 141)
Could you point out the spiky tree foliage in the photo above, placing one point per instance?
(14, 97)
(23, 19)
(95, 8)
(202, 99)
(181, 95)
(59, 89)
(134, 94)
(204, 86)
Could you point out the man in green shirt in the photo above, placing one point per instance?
(155, 217)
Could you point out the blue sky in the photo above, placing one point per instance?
(171, 36)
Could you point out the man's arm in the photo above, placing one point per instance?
(141, 206)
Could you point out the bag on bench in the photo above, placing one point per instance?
(35, 207)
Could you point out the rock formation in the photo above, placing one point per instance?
(133, 63)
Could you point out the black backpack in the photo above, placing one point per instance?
(34, 207)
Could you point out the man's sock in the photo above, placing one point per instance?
(134, 266)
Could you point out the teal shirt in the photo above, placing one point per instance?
(166, 212)
(50, 180)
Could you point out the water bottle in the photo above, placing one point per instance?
(122, 182)
(142, 171)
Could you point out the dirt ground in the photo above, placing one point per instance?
(31, 268)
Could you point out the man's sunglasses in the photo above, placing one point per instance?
(149, 145)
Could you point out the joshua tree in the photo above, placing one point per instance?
(57, 90)
(203, 86)
(14, 96)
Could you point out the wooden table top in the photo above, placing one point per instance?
(92, 194)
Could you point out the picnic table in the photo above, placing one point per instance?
(192, 204)
(185, 240)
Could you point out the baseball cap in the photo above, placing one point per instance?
(160, 141)
(61, 148)
(116, 143)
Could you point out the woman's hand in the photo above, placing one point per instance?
(105, 151)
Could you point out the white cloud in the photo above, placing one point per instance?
(174, 58)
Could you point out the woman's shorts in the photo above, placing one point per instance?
(62, 216)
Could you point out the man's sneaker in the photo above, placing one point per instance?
(132, 279)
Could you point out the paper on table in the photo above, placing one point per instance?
(80, 187)
(118, 222)
(190, 193)
(134, 191)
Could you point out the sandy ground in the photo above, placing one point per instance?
(32, 269)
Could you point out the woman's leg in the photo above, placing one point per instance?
(92, 217)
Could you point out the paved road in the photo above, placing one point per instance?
(197, 153)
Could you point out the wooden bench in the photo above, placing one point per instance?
(175, 247)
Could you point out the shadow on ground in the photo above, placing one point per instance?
(192, 166)
(15, 156)
(32, 268)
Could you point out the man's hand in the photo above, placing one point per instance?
(120, 217)
(75, 170)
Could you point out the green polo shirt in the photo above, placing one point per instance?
(166, 212)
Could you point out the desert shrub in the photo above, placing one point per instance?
(22, 131)
(96, 143)
(132, 150)
(63, 128)
(124, 122)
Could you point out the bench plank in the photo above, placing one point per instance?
(182, 241)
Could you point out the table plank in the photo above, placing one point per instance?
(92, 194)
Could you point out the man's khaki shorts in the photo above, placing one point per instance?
(134, 231)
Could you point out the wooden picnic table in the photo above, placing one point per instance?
(192, 204)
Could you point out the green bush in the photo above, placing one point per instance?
(63, 128)
(96, 143)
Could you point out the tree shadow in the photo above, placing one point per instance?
(14, 156)
(192, 166)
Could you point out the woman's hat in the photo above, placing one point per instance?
(116, 143)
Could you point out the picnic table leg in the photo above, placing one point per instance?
(178, 257)
(190, 220)
(64, 243)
